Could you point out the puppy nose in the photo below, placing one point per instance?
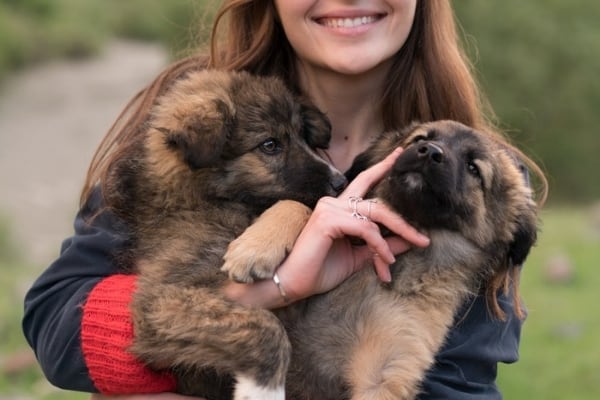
(431, 151)
(338, 183)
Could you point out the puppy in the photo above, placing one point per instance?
(219, 149)
(366, 340)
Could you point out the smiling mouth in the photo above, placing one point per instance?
(348, 22)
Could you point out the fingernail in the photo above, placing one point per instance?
(387, 278)
(424, 238)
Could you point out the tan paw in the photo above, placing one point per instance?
(265, 244)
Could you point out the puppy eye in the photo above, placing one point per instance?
(474, 169)
(270, 146)
(419, 138)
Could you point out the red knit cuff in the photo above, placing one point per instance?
(107, 332)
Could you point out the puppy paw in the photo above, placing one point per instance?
(263, 246)
(250, 258)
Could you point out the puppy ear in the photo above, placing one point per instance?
(317, 128)
(524, 239)
(201, 140)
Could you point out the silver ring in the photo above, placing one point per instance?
(369, 206)
(353, 204)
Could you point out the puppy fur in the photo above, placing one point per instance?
(219, 149)
(366, 340)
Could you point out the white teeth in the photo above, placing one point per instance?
(348, 22)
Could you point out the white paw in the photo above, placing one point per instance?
(246, 388)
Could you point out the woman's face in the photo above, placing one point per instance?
(346, 36)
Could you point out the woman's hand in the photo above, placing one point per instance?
(323, 255)
(160, 396)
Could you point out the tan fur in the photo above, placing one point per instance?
(245, 267)
(224, 147)
(365, 340)
(219, 150)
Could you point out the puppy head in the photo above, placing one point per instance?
(453, 178)
(237, 137)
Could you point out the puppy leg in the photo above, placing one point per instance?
(263, 246)
(190, 329)
(393, 352)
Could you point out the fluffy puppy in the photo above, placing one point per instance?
(365, 340)
(219, 149)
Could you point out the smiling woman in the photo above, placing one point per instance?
(404, 63)
(348, 37)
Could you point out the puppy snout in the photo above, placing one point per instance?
(431, 151)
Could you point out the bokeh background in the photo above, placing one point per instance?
(67, 67)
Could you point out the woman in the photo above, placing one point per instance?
(370, 66)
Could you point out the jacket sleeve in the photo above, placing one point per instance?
(466, 366)
(77, 317)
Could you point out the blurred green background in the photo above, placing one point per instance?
(537, 60)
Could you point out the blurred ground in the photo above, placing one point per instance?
(52, 117)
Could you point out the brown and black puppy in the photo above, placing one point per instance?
(364, 340)
(219, 149)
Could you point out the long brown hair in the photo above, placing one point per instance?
(431, 79)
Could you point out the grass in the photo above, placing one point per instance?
(27, 381)
(560, 356)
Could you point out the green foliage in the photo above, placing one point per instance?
(538, 61)
(37, 30)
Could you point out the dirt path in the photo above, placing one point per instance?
(51, 119)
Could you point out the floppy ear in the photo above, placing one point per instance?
(200, 141)
(316, 126)
(524, 239)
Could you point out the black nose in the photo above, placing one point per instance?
(338, 183)
(432, 151)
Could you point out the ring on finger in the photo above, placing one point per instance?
(353, 204)
(370, 203)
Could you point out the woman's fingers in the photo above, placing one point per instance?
(372, 209)
(397, 245)
(367, 178)
(377, 211)
(365, 214)
(380, 250)
(335, 219)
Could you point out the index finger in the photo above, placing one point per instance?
(367, 178)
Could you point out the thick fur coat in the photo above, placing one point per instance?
(366, 340)
(219, 149)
